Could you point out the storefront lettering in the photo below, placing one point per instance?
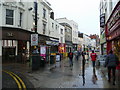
(9, 34)
(115, 17)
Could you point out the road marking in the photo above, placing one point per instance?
(20, 81)
(17, 79)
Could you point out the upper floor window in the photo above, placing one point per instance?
(44, 13)
(61, 31)
(9, 16)
(56, 27)
(52, 25)
(44, 28)
(20, 21)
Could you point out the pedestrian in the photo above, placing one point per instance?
(77, 55)
(70, 55)
(35, 51)
(111, 63)
(93, 56)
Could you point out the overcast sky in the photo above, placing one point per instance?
(83, 12)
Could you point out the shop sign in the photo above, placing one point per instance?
(115, 17)
(53, 53)
(9, 34)
(61, 48)
(34, 39)
(102, 20)
(42, 49)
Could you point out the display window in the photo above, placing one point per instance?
(116, 48)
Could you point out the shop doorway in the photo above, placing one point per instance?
(22, 52)
(8, 54)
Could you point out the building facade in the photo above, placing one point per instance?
(103, 43)
(80, 41)
(18, 23)
(112, 26)
(86, 42)
(68, 36)
(74, 27)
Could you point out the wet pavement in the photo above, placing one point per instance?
(63, 76)
(19, 69)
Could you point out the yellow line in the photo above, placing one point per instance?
(20, 80)
(19, 86)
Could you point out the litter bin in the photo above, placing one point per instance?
(35, 62)
(52, 59)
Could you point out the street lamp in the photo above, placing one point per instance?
(35, 7)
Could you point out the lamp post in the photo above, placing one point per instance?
(34, 42)
(35, 7)
(83, 65)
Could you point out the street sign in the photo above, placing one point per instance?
(34, 39)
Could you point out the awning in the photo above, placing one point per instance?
(55, 40)
(52, 43)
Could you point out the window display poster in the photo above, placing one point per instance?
(58, 58)
(43, 50)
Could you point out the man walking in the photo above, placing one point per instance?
(111, 63)
(70, 55)
(93, 58)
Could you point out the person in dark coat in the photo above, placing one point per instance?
(70, 55)
(111, 63)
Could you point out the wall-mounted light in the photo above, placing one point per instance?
(33, 23)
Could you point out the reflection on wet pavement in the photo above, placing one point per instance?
(64, 77)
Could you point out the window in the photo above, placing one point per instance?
(9, 16)
(56, 27)
(52, 25)
(44, 28)
(61, 39)
(61, 31)
(44, 13)
(20, 22)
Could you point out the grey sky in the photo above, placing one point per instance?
(84, 12)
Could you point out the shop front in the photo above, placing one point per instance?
(113, 31)
(69, 46)
(52, 47)
(75, 47)
(15, 44)
(62, 49)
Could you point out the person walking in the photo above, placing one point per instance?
(93, 56)
(70, 55)
(111, 63)
(77, 55)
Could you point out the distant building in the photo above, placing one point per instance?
(96, 38)
(74, 27)
(80, 41)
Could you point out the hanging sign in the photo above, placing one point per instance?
(34, 39)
